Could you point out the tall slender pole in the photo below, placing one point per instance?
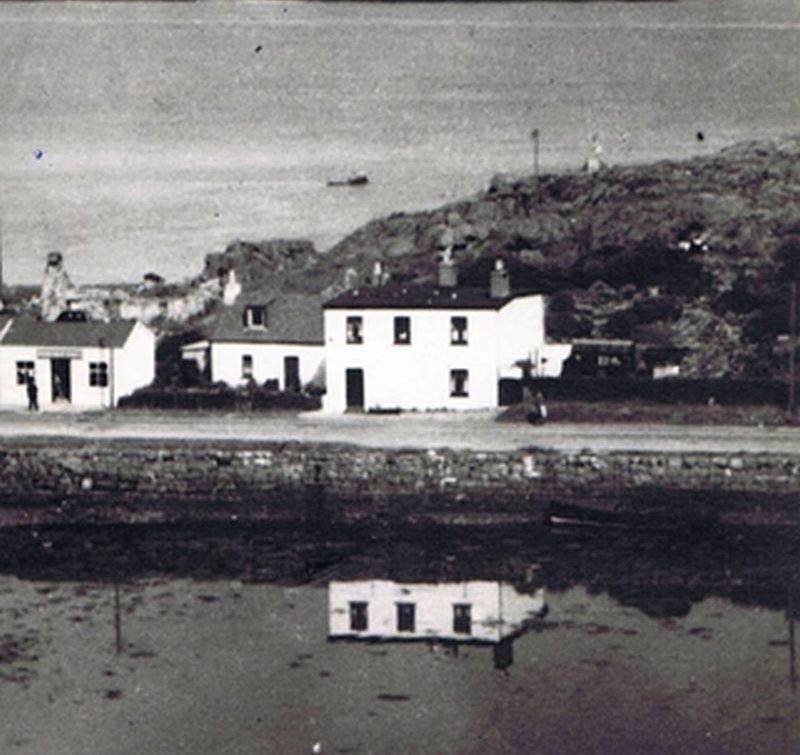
(792, 653)
(535, 137)
(111, 376)
(1, 260)
(792, 349)
(117, 619)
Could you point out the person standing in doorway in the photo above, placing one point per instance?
(33, 394)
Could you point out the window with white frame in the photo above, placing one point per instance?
(25, 370)
(406, 617)
(458, 331)
(459, 383)
(255, 316)
(355, 329)
(462, 618)
(247, 366)
(98, 374)
(402, 330)
(358, 616)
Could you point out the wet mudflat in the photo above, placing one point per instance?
(651, 643)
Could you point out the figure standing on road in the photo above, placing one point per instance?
(536, 412)
(33, 394)
(541, 407)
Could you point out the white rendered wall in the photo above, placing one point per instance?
(433, 609)
(415, 375)
(82, 394)
(519, 609)
(226, 361)
(16, 395)
(134, 364)
(521, 333)
(552, 358)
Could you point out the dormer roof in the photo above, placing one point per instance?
(290, 318)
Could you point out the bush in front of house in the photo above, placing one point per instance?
(219, 397)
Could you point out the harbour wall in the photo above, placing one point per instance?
(74, 480)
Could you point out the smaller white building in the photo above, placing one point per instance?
(433, 346)
(264, 336)
(82, 364)
(471, 611)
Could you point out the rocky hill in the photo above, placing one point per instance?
(681, 253)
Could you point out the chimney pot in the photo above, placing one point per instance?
(499, 281)
(447, 271)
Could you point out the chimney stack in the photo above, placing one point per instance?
(448, 272)
(499, 281)
(380, 277)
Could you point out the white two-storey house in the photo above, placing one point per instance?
(432, 346)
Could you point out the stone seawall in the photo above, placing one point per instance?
(74, 480)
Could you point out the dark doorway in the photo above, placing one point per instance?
(291, 374)
(60, 380)
(355, 388)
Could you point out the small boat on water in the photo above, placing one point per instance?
(356, 179)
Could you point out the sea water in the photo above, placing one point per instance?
(139, 137)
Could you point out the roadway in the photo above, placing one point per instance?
(470, 430)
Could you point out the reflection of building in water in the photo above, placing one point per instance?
(477, 610)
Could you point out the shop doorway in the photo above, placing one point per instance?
(60, 380)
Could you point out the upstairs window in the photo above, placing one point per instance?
(355, 329)
(98, 374)
(247, 366)
(402, 330)
(458, 331)
(406, 617)
(24, 371)
(255, 316)
(358, 617)
(462, 618)
(459, 383)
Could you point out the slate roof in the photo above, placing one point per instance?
(601, 345)
(27, 331)
(417, 296)
(291, 318)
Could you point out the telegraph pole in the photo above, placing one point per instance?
(535, 137)
(1, 259)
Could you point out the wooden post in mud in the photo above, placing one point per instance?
(792, 654)
(117, 619)
(792, 350)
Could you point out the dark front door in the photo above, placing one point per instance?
(291, 374)
(60, 377)
(355, 388)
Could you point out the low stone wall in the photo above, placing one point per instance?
(145, 480)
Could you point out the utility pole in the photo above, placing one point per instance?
(117, 620)
(535, 137)
(1, 259)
